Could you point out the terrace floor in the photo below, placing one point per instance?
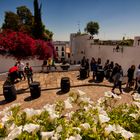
(51, 92)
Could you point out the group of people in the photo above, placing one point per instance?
(20, 71)
(48, 63)
(112, 72)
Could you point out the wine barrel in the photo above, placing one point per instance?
(35, 90)
(100, 75)
(65, 84)
(9, 92)
(83, 73)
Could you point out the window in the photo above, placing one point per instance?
(62, 49)
(68, 55)
(62, 54)
(56, 48)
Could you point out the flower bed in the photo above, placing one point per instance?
(61, 121)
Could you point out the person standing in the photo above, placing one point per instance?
(29, 73)
(118, 77)
(87, 67)
(91, 63)
(130, 75)
(13, 73)
(137, 79)
(20, 66)
(114, 71)
(49, 64)
(83, 62)
(94, 67)
(44, 64)
(53, 64)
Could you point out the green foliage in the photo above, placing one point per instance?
(92, 28)
(24, 21)
(28, 136)
(25, 15)
(11, 21)
(127, 42)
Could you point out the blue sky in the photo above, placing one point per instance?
(117, 18)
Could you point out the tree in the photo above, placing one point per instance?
(25, 15)
(26, 19)
(25, 22)
(20, 21)
(92, 28)
(38, 26)
(11, 21)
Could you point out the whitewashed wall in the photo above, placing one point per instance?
(126, 58)
(8, 62)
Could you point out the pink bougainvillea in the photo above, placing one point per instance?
(22, 46)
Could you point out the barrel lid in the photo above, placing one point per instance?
(65, 78)
(35, 83)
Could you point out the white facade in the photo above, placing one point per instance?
(126, 56)
(63, 49)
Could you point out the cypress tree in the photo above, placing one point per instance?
(38, 26)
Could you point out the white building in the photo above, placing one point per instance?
(63, 50)
(126, 56)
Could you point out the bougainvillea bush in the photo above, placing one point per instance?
(22, 46)
(44, 49)
(76, 118)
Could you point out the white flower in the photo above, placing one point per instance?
(108, 94)
(118, 129)
(110, 128)
(31, 127)
(101, 100)
(81, 93)
(76, 137)
(84, 99)
(14, 133)
(31, 112)
(56, 136)
(136, 97)
(137, 104)
(12, 127)
(53, 115)
(15, 105)
(116, 96)
(127, 134)
(59, 128)
(88, 107)
(71, 99)
(85, 125)
(77, 128)
(5, 110)
(6, 117)
(134, 115)
(69, 115)
(68, 104)
(103, 118)
(101, 111)
(51, 110)
(47, 135)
